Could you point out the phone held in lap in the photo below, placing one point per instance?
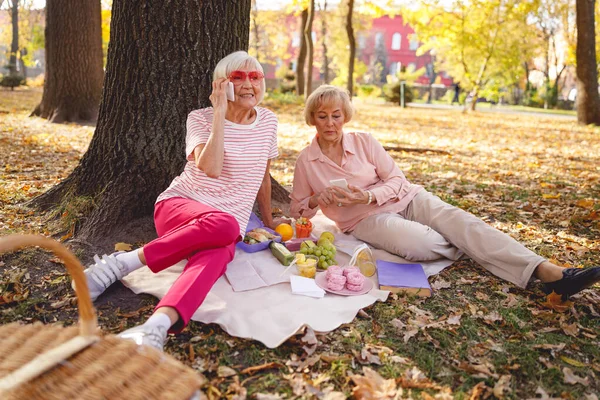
(341, 183)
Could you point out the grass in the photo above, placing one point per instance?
(534, 178)
(501, 107)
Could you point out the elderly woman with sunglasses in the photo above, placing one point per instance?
(202, 214)
(383, 208)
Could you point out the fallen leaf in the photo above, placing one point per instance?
(571, 378)
(478, 391)
(410, 334)
(502, 386)
(573, 362)
(454, 319)
(224, 371)
(440, 284)
(123, 246)
(492, 317)
(371, 385)
(555, 302)
(570, 329)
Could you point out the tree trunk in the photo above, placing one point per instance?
(324, 43)
(14, 47)
(23, 67)
(588, 100)
(73, 79)
(309, 48)
(352, 43)
(301, 55)
(256, 30)
(159, 68)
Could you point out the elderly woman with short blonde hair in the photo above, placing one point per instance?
(383, 208)
(204, 212)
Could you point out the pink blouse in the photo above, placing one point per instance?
(365, 164)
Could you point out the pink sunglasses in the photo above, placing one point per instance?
(239, 77)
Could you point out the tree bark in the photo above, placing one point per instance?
(309, 48)
(14, 46)
(352, 44)
(74, 74)
(301, 55)
(588, 100)
(160, 63)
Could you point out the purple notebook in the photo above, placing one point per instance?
(403, 278)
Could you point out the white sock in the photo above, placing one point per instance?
(130, 260)
(159, 319)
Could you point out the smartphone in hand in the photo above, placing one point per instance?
(229, 91)
(341, 183)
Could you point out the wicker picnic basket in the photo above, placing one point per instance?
(40, 361)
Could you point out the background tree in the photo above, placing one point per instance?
(546, 16)
(74, 74)
(351, 48)
(309, 47)
(588, 100)
(301, 60)
(159, 68)
(14, 46)
(324, 55)
(477, 42)
(268, 42)
(26, 35)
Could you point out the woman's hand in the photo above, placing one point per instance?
(279, 220)
(324, 198)
(354, 195)
(218, 97)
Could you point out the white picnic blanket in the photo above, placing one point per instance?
(272, 314)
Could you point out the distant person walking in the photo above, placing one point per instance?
(456, 94)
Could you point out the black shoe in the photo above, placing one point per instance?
(574, 280)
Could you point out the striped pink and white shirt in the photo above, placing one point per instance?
(247, 149)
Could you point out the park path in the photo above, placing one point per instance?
(493, 109)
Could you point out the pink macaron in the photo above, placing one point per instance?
(349, 270)
(355, 278)
(336, 282)
(333, 270)
(355, 288)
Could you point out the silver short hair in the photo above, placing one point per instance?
(237, 60)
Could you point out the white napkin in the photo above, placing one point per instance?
(306, 287)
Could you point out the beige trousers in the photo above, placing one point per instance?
(429, 229)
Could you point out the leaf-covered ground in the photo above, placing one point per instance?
(537, 179)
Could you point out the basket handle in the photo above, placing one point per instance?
(87, 315)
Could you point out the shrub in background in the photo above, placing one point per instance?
(12, 81)
(391, 92)
(368, 91)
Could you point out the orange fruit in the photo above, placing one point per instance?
(286, 231)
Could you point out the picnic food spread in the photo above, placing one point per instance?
(258, 235)
(307, 265)
(311, 256)
(303, 227)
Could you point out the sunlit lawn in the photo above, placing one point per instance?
(536, 178)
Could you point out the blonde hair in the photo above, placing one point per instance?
(327, 95)
(238, 60)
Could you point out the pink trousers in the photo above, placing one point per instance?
(203, 235)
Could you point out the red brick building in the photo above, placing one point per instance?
(393, 42)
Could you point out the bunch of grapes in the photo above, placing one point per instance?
(325, 253)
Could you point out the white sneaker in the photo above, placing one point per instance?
(154, 336)
(103, 273)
